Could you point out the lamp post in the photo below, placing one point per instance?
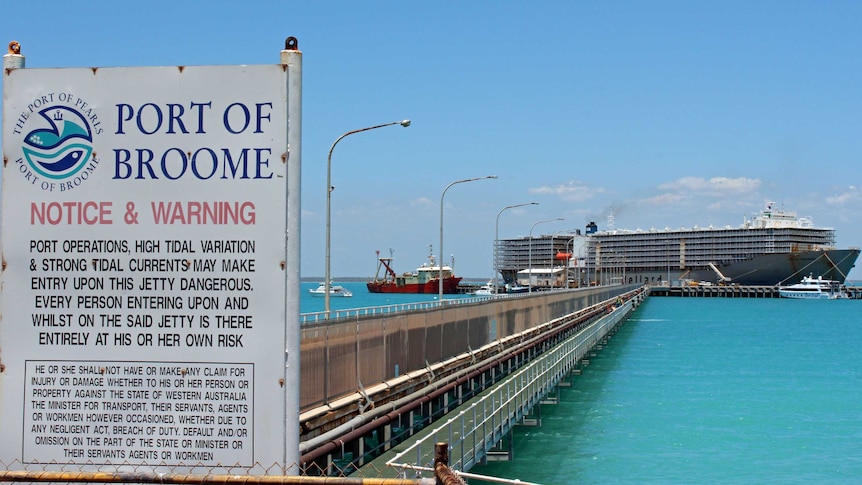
(669, 256)
(530, 275)
(569, 260)
(554, 254)
(583, 270)
(440, 263)
(497, 237)
(329, 188)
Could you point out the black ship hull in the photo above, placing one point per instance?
(783, 268)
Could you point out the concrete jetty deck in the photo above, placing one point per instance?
(734, 291)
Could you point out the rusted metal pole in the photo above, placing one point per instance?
(442, 472)
(13, 59)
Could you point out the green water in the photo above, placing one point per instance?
(708, 390)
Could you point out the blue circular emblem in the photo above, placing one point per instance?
(61, 147)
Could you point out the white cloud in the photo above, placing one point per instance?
(850, 196)
(716, 186)
(665, 199)
(421, 202)
(572, 191)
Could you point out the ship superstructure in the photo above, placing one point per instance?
(543, 252)
(775, 247)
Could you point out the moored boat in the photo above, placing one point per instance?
(424, 280)
(516, 288)
(485, 290)
(811, 288)
(334, 291)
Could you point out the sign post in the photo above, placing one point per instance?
(147, 279)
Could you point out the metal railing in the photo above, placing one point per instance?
(352, 313)
(349, 313)
(483, 422)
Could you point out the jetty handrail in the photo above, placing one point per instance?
(350, 313)
(479, 424)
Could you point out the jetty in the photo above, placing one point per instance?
(734, 291)
(381, 388)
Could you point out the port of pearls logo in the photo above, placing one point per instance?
(60, 147)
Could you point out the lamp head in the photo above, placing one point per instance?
(405, 123)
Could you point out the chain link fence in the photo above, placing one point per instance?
(184, 475)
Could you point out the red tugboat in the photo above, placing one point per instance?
(423, 280)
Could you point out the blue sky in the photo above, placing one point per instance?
(668, 113)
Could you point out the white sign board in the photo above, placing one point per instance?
(143, 244)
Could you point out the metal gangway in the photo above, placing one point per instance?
(477, 426)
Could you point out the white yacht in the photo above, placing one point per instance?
(811, 288)
(485, 290)
(334, 290)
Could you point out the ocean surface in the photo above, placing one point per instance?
(361, 298)
(698, 390)
(708, 390)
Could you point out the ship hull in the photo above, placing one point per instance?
(450, 286)
(784, 268)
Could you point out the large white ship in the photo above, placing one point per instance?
(773, 247)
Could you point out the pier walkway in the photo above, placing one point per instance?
(734, 291)
(501, 357)
(478, 426)
(381, 387)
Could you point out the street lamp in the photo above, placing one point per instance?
(554, 254)
(530, 275)
(569, 260)
(584, 269)
(440, 262)
(497, 237)
(329, 188)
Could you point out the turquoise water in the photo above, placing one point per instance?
(697, 390)
(361, 298)
(708, 390)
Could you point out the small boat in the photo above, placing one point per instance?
(516, 288)
(811, 288)
(485, 290)
(334, 290)
(426, 278)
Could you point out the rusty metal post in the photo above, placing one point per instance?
(13, 59)
(442, 473)
(441, 457)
